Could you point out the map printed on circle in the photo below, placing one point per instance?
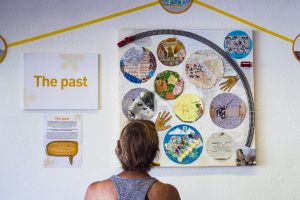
(171, 52)
(220, 146)
(188, 107)
(168, 85)
(183, 144)
(138, 64)
(176, 6)
(139, 103)
(227, 110)
(204, 68)
(238, 44)
(3, 49)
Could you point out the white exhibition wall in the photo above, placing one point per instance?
(277, 98)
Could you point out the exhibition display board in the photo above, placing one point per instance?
(200, 85)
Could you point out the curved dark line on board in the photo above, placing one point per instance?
(217, 49)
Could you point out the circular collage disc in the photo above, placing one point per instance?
(204, 68)
(238, 44)
(175, 6)
(220, 146)
(171, 52)
(168, 85)
(183, 144)
(188, 107)
(138, 64)
(227, 110)
(296, 47)
(3, 49)
(139, 103)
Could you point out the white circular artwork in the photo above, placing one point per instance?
(204, 68)
(220, 146)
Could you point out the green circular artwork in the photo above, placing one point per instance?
(168, 85)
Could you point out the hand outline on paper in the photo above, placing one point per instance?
(229, 83)
(161, 120)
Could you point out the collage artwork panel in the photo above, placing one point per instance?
(192, 93)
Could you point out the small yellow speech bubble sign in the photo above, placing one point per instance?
(63, 148)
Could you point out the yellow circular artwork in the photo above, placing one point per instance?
(188, 107)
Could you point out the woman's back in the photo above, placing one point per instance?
(136, 150)
(124, 188)
(132, 188)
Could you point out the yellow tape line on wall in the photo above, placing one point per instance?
(101, 19)
(243, 21)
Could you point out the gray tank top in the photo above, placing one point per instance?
(132, 188)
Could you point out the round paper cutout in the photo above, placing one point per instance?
(188, 107)
(220, 146)
(183, 144)
(296, 47)
(238, 44)
(139, 103)
(227, 110)
(138, 64)
(3, 49)
(204, 68)
(176, 6)
(168, 85)
(171, 52)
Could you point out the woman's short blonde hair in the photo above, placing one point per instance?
(138, 145)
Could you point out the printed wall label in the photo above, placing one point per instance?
(60, 81)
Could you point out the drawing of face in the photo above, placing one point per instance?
(142, 107)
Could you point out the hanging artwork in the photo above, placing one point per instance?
(169, 85)
(3, 49)
(138, 64)
(183, 144)
(139, 103)
(204, 68)
(176, 6)
(171, 52)
(197, 87)
(296, 47)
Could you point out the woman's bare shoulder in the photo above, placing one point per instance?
(163, 191)
(101, 190)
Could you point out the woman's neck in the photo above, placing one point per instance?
(133, 174)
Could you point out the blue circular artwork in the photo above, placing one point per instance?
(238, 44)
(183, 144)
(138, 64)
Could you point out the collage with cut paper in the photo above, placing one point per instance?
(192, 93)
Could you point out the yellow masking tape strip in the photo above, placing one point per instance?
(83, 24)
(137, 9)
(243, 21)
